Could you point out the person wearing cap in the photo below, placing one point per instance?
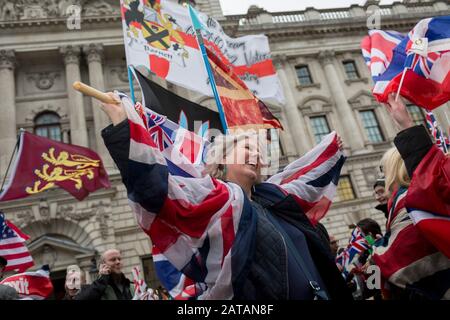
(6, 292)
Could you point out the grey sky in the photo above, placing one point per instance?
(240, 6)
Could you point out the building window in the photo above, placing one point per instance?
(48, 125)
(416, 114)
(150, 276)
(303, 75)
(320, 127)
(371, 126)
(350, 70)
(345, 189)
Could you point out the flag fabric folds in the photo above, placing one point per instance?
(424, 57)
(431, 181)
(42, 164)
(193, 222)
(12, 246)
(159, 36)
(356, 246)
(187, 114)
(318, 171)
(242, 109)
(31, 285)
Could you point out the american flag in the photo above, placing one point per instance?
(441, 140)
(12, 246)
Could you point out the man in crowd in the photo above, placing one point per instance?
(111, 283)
(6, 292)
(334, 245)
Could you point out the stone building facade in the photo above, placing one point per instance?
(317, 57)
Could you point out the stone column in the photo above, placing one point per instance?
(94, 55)
(8, 131)
(78, 131)
(295, 121)
(351, 134)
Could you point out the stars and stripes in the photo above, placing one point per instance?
(12, 246)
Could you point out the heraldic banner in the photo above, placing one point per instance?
(42, 164)
(159, 37)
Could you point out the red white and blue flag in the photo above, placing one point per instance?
(431, 181)
(441, 140)
(12, 246)
(357, 245)
(193, 221)
(421, 58)
(34, 285)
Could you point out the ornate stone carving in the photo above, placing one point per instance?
(33, 12)
(7, 59)
(24, 217)
(70, 212)
(44, 80)
(326, 57)
(9, 11)
(71, 54)
(98, 8)
(44, 211)
(122, 73)
(93, 52)
(101, 211)
(49, 256)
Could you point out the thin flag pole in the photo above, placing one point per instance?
(130, 81)
(197, 27)
(401, 83)
(12, 157)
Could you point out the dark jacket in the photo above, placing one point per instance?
(104, 288)
(264, 273)
(413, 144)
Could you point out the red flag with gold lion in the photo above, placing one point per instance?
(42, 164)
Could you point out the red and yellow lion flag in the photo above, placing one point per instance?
(42, 164)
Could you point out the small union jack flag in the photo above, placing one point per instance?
(439, 137)
(357, 245)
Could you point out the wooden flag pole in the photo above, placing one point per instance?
(94, 93)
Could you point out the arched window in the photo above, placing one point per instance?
(48, 125)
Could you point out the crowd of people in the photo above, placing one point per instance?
(277, 252)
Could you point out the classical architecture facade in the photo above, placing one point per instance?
(44, 49)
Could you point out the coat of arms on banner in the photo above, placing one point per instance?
(157, 33)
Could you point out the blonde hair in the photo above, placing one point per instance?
(224, 145)
(394, 170)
